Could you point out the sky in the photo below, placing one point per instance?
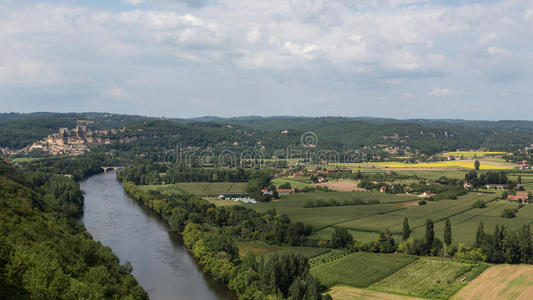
(189, 58)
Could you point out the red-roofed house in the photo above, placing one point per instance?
(520, 196)
(285, 191)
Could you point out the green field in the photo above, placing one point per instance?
(360, 269)
(260, 248)
(472, 153)
(430, 278)
(295, 183)
(199, 188)
(365, 222)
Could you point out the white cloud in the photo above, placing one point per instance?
(439, 92)
(488, 38)
(495, 51)
(134, 2)
(117, 92)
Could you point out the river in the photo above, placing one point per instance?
(160, 261)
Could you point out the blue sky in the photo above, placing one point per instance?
(382, 58)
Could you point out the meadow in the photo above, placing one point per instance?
(199, 188)
(365, 222)
(484, 165)
(260, 248)
(472, 153)
(430, 278)
(360, 269)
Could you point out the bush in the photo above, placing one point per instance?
(508, 213)
(422, 202)
(479, 204)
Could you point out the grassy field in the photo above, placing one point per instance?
(360, 269)
(200, 188)
(343, 292)
(472, 153)
(434, 174)
(259, 248)
(321, 217)
(452, 164)
(294, 183)
(430, 278)
(364, 222)
(500, 282)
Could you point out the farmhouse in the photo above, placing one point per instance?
(383, 189)
(427, 195)
(285, 191)
(520, 196)
(495, 186)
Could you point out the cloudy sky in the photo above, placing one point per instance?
(188, 58)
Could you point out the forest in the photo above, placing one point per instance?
(44, 252)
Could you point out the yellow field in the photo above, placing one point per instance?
(500, 282)
(471, 153)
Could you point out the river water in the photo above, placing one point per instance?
(160, 262)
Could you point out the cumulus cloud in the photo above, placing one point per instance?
(439, 92)
(344, 47)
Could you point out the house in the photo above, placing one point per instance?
(467, 185)
(321, 179)
(519, 197)
(383, 189)
(427, 195)
(285, 191)
(495, 186)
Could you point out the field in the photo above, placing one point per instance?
(471, 153)
(322, 217)
(295, 183)
(430, 278)
(199, 188)
(343, 292)
(364, 222)
(484, 165)
(341, 186)
(500, 282)
(259, 248)
(360, 269)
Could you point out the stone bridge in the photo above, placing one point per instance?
(112, 168)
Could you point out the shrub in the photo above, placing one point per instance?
(422, 202)
(479, 204)
(508, 213)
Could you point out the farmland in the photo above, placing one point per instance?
(199, 188)
(472, 153)
(500, 282)
(458, 164)
(259, 248)
(430, 277)
(360, 269)
(343, 292)
(364, 222)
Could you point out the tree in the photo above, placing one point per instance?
(480, 235)
(476, 165)
(430, 234)
(519, 180)
(447, 234)
(341, 238)
(406, 230)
